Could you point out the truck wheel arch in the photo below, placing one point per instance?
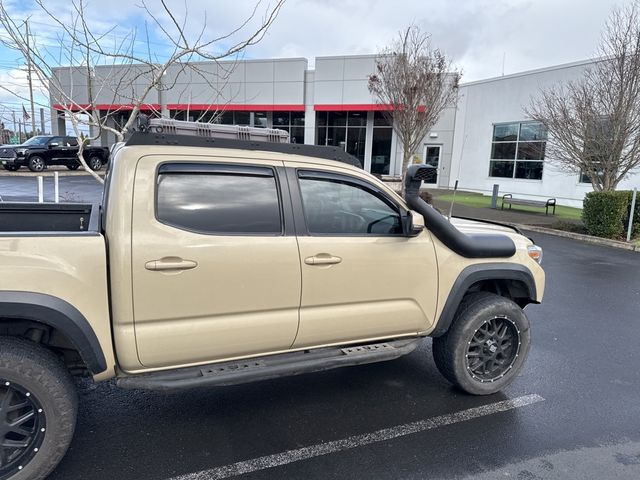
(59, 315)
(485, 274)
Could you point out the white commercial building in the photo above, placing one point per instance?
(487, 140)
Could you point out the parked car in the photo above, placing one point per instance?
(232, 261)
(43, 150)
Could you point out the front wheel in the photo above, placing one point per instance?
(73, 166)
(36, 164)
(38, 406)
(486, 346)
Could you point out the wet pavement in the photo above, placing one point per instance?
(400, 419)
(71, 188)
(583, 364)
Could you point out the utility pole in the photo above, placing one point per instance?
(42, 121)
(15, 129)
(19, 132)
(33, 110)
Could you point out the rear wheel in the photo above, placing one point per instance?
(38, 407)
(486, 346)
(36, 164)
(11, 168)
(73, 166)
(95, 162)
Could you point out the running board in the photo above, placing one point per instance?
(273, 366)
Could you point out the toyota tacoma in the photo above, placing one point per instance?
(214, 261)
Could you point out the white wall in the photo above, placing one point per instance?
(487, 102)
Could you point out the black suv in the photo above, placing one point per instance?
(39, 152)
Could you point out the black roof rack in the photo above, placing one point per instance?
(316, 151)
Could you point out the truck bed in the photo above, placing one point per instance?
(61, 218)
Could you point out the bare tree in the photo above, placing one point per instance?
(415, 82)
(593, 122)
(121, 70)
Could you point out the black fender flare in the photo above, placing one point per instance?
(58, 314)
(476, 273)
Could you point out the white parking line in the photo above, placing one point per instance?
(290, 456)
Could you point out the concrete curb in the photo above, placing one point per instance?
(48, 173)
(579, 236)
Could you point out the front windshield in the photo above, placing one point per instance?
(37, 141)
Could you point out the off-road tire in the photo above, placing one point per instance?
(39, 372)
(451, 349)
(36, 164)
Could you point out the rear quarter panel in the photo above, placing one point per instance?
(72, 268)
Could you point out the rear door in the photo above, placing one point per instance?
(362, 278)
(70, 150)
(216, 271)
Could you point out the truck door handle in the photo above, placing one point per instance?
(170, 263)
(322, 259)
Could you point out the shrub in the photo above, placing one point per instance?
(636, 215)
(426, 196)
(604, 213)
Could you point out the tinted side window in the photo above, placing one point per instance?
(342, 208)
(57, 140)
(72, 141)
(224, 203)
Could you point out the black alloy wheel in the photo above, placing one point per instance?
(493, 349)
(38, 409)
(485, 348)
(22, 428)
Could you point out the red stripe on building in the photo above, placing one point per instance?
(352, 107)
(357, 107)
(76, 107)
(236, 107)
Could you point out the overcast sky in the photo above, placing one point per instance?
(477, 34)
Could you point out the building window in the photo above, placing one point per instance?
(346, 130)
(292, 122)
(224, 117)
(517, 150)
(259, 119)
(381, 148)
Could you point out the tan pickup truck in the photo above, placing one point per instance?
(218, 262)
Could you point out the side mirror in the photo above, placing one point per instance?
(53, 144)
(408, 228)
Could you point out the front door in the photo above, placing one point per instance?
(362, 278)
(432, 159)
(215, 274)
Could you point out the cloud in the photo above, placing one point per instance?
(477, 34)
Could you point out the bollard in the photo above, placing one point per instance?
(494, 196)
(633, 211)
(40, 189)
(56, 197)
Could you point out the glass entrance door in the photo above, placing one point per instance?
(432, 159)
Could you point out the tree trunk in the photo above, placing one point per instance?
(406, 161)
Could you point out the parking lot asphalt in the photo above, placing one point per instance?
(74, 188)
(572, 414)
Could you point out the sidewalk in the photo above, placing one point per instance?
(537, 222)
(497, 215)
